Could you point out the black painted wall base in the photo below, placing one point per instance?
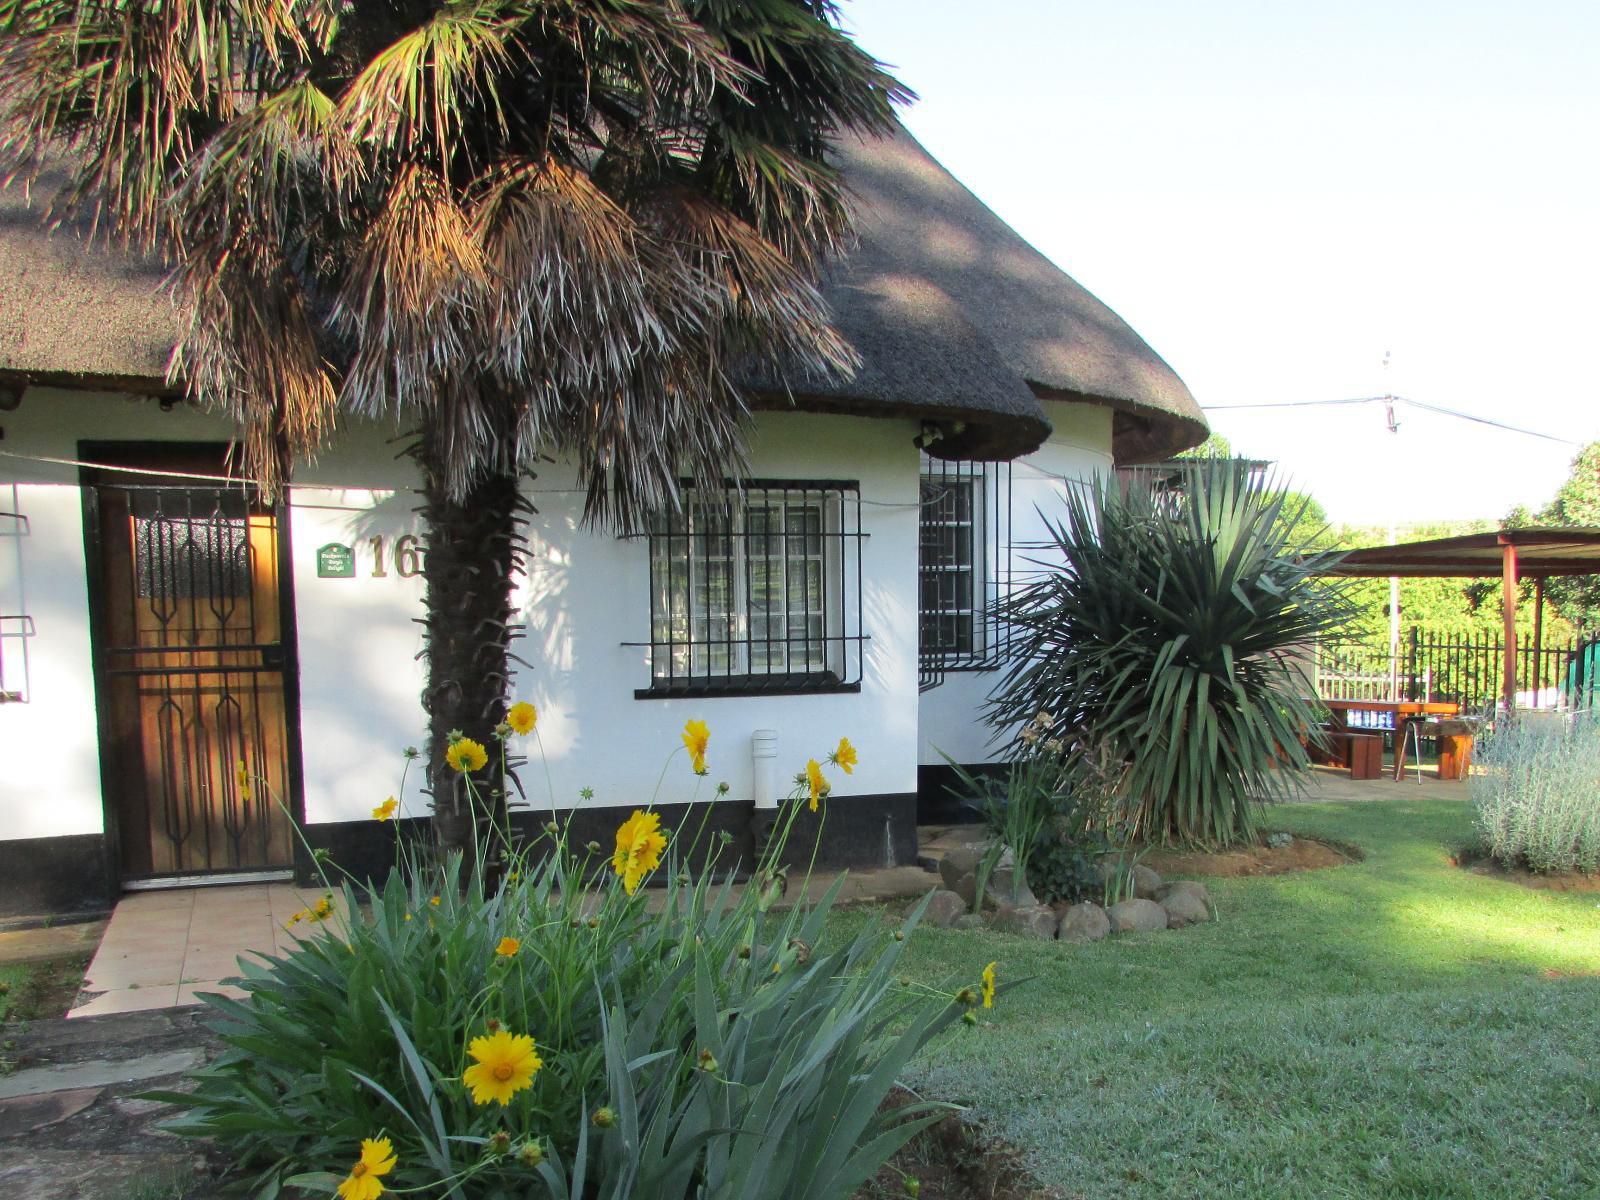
(940, 793)
(855, 831)
(56, 877)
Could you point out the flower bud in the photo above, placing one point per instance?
(967, 996)
(913, 1186)
(592, 847)
(552, 828)
(969, 1017)
(707, 1062)
(899, 935)
(604, 1118)
(744, 952)
(531, 1154)
(492, 1025)
(499, 1142)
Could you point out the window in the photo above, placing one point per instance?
(963, 564)
(757, 589)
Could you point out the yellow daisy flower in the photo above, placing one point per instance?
(522, 717)
(377, 1158)
(640, 844)
(506, 1064)
(243, 776)
(844, 757)
(988, 986)
(696, 736)
(466, 755)
(508, 947)
(385, 810)
(816, 782)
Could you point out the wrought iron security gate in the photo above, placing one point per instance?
(191, 678)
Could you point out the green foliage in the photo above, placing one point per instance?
(1577, 502)
(1054, 831)
(1165, 643)
(704, 1046)
(1536, 793)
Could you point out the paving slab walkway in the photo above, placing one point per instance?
(72, 1125)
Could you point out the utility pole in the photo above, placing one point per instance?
(1394, 580)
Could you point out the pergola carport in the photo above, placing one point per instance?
(1537, 553)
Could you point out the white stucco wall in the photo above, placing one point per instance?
(1079, 449)
(586, 594)
(49, 746)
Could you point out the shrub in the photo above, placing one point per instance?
(1054, 832)
(1162, 634)
(1536, 794)
(554, 1039)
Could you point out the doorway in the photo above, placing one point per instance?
(193, 668)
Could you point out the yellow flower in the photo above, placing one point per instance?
(988, 986)
(320, 911)
(844, 757)
(377, 1158)
(696, 736)
(522, 717)
(508, 947)
(818, 785)
(506, 1064)
(243, 775)
(466, 755)
(434, 902)
(385, 810)
(640, 843)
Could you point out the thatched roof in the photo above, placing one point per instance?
(952, 310)
(76, 313)
(957, 319)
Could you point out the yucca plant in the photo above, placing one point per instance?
(1165, 637)
(524, 227)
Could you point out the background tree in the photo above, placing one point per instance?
(528, 226)
(1576, 502)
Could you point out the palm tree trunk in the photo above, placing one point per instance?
(472, 555)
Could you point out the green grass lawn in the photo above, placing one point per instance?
(1396, 1027)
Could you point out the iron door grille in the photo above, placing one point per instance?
(192, 672)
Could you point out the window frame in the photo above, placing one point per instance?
(683, 657)
(988, 567)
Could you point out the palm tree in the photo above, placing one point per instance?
(532, 226)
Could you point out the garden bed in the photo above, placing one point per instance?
(1301, 854)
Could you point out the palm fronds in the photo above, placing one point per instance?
(1166, 635)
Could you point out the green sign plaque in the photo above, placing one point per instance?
(335, 561)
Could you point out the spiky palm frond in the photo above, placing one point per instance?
(1168, 638)
(597, 207)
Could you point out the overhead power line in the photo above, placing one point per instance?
(1433, 408)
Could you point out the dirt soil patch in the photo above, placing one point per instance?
(1301, 854)
(953, 1160)
(1559, 881)
(44, 989)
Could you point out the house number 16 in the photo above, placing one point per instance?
(407, 557)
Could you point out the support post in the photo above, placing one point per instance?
(1508, 603)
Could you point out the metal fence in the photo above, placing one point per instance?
(1466, 670)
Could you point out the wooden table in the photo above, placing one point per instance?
(1404, 713)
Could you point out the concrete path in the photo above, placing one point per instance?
(160, 948)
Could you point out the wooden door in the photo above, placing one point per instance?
(191, 676)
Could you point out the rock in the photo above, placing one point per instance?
(966, 887)
(1191, 886)
(968, 921)
(1185, 908)
(1136, 916)
(943, 908)
(1083, 923)
(1033, 921)
(1006, 888)
(1146, 883)
(958, 861)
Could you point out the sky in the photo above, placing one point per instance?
(1275, 194)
